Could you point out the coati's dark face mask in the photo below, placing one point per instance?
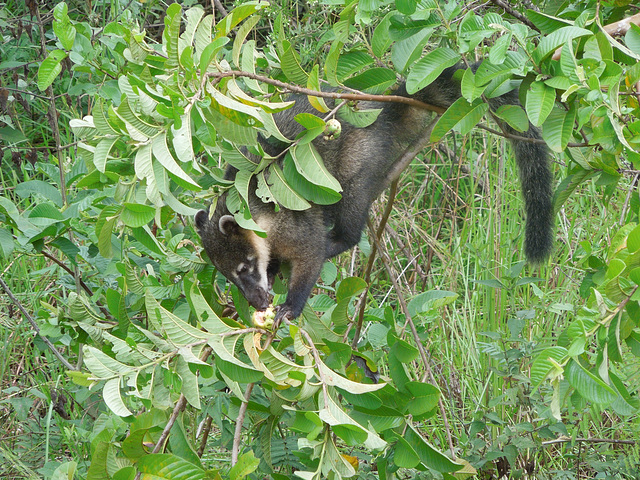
(239, 254)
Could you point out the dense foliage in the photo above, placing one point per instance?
(116, 129)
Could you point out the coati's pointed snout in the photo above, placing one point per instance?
(257, 297)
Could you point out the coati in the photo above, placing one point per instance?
(360, 159)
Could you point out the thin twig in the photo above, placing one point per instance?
(514, 13)
(315, 93)
(179, 407)
(564, 439)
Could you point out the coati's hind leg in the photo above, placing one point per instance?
(349, 223)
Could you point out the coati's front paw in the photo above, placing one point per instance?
(284, 312)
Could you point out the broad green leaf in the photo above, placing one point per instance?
(284, 194)
(633, 240)
(241, 36)
(50, 68)
(238, 14)
(62, 26)
(352, 62)
(334, 379)
(229, 364)
(547, 24)
(170, 36)
(514, 116)
(430, 456)
(247, 464)
(498, 52)
(380, 40)
(310, 165)
(210, 52)
(381, 419)
(540, 101)
(44, 189)
(182, 140)
(166, 466)
(127, 114)
(406, 51)
(237, 112)
(136, 214)
(404, 455)
(425, 398)
(358, 118)
(193, 16)
(559, 37)
(144, 168)
(102, 366)
(632, 38)
(347, 428)
(427, 69)
(102, 152)
(558, 128)
(462, 116)
(177, 331)
(313, 83)
(374, 80)
(544, 362)
(468, 88)
(431, 300)
(290, 63)
(163, 155)
(313, 193)
(588, 385)
(403, 351)
(112, 397)
(569, 185)
(7, 244)
(350, 287)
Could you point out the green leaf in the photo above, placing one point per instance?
(113, 399)
(352, 62)
(163, 155)
(347, 428)
(62, 26)
(102, 152)
(136, 214)
(349, 288)
(170, 36)
(559, 37)
(50, 68)
(427, 69)
(7, 244)
(291, 67)
(380, 40)
(404, 456)
(44, 189)
(406, 51)
(540, 101)
(569, 185)
(514, 116)
(588, 385)
(310, 165)
(238, 14)
(558, 128)
(375, 80)
(632, 38)
(165, 466)
(247, 464)
(544, 362)
(284, 194)
(462, 116)
(468, 88)
(546, 23)
(425, 398)
(633, 240)
(313, 193)
(430, 456)
(431, 300)
(498, 52)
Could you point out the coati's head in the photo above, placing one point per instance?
(239, 254)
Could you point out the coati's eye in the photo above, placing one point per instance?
(243, 268)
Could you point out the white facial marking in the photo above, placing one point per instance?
(262, 250)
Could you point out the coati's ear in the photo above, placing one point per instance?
(201, 219)
(228, 225)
